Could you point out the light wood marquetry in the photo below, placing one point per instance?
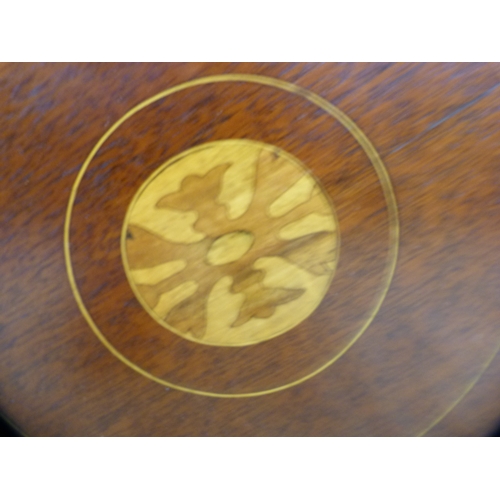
(231, 243)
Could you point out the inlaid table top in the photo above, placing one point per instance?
(246, 249)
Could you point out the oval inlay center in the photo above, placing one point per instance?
(229, 248)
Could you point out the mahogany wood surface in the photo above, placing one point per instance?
(426, 364)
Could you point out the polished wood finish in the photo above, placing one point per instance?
(416, 369)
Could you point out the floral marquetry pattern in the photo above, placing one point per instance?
(231, 243)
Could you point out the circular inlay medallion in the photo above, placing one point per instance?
(230, 243)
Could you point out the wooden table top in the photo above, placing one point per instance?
(250, 249)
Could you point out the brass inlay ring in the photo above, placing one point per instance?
(334, 112)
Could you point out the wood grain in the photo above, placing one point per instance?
(436, 128)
